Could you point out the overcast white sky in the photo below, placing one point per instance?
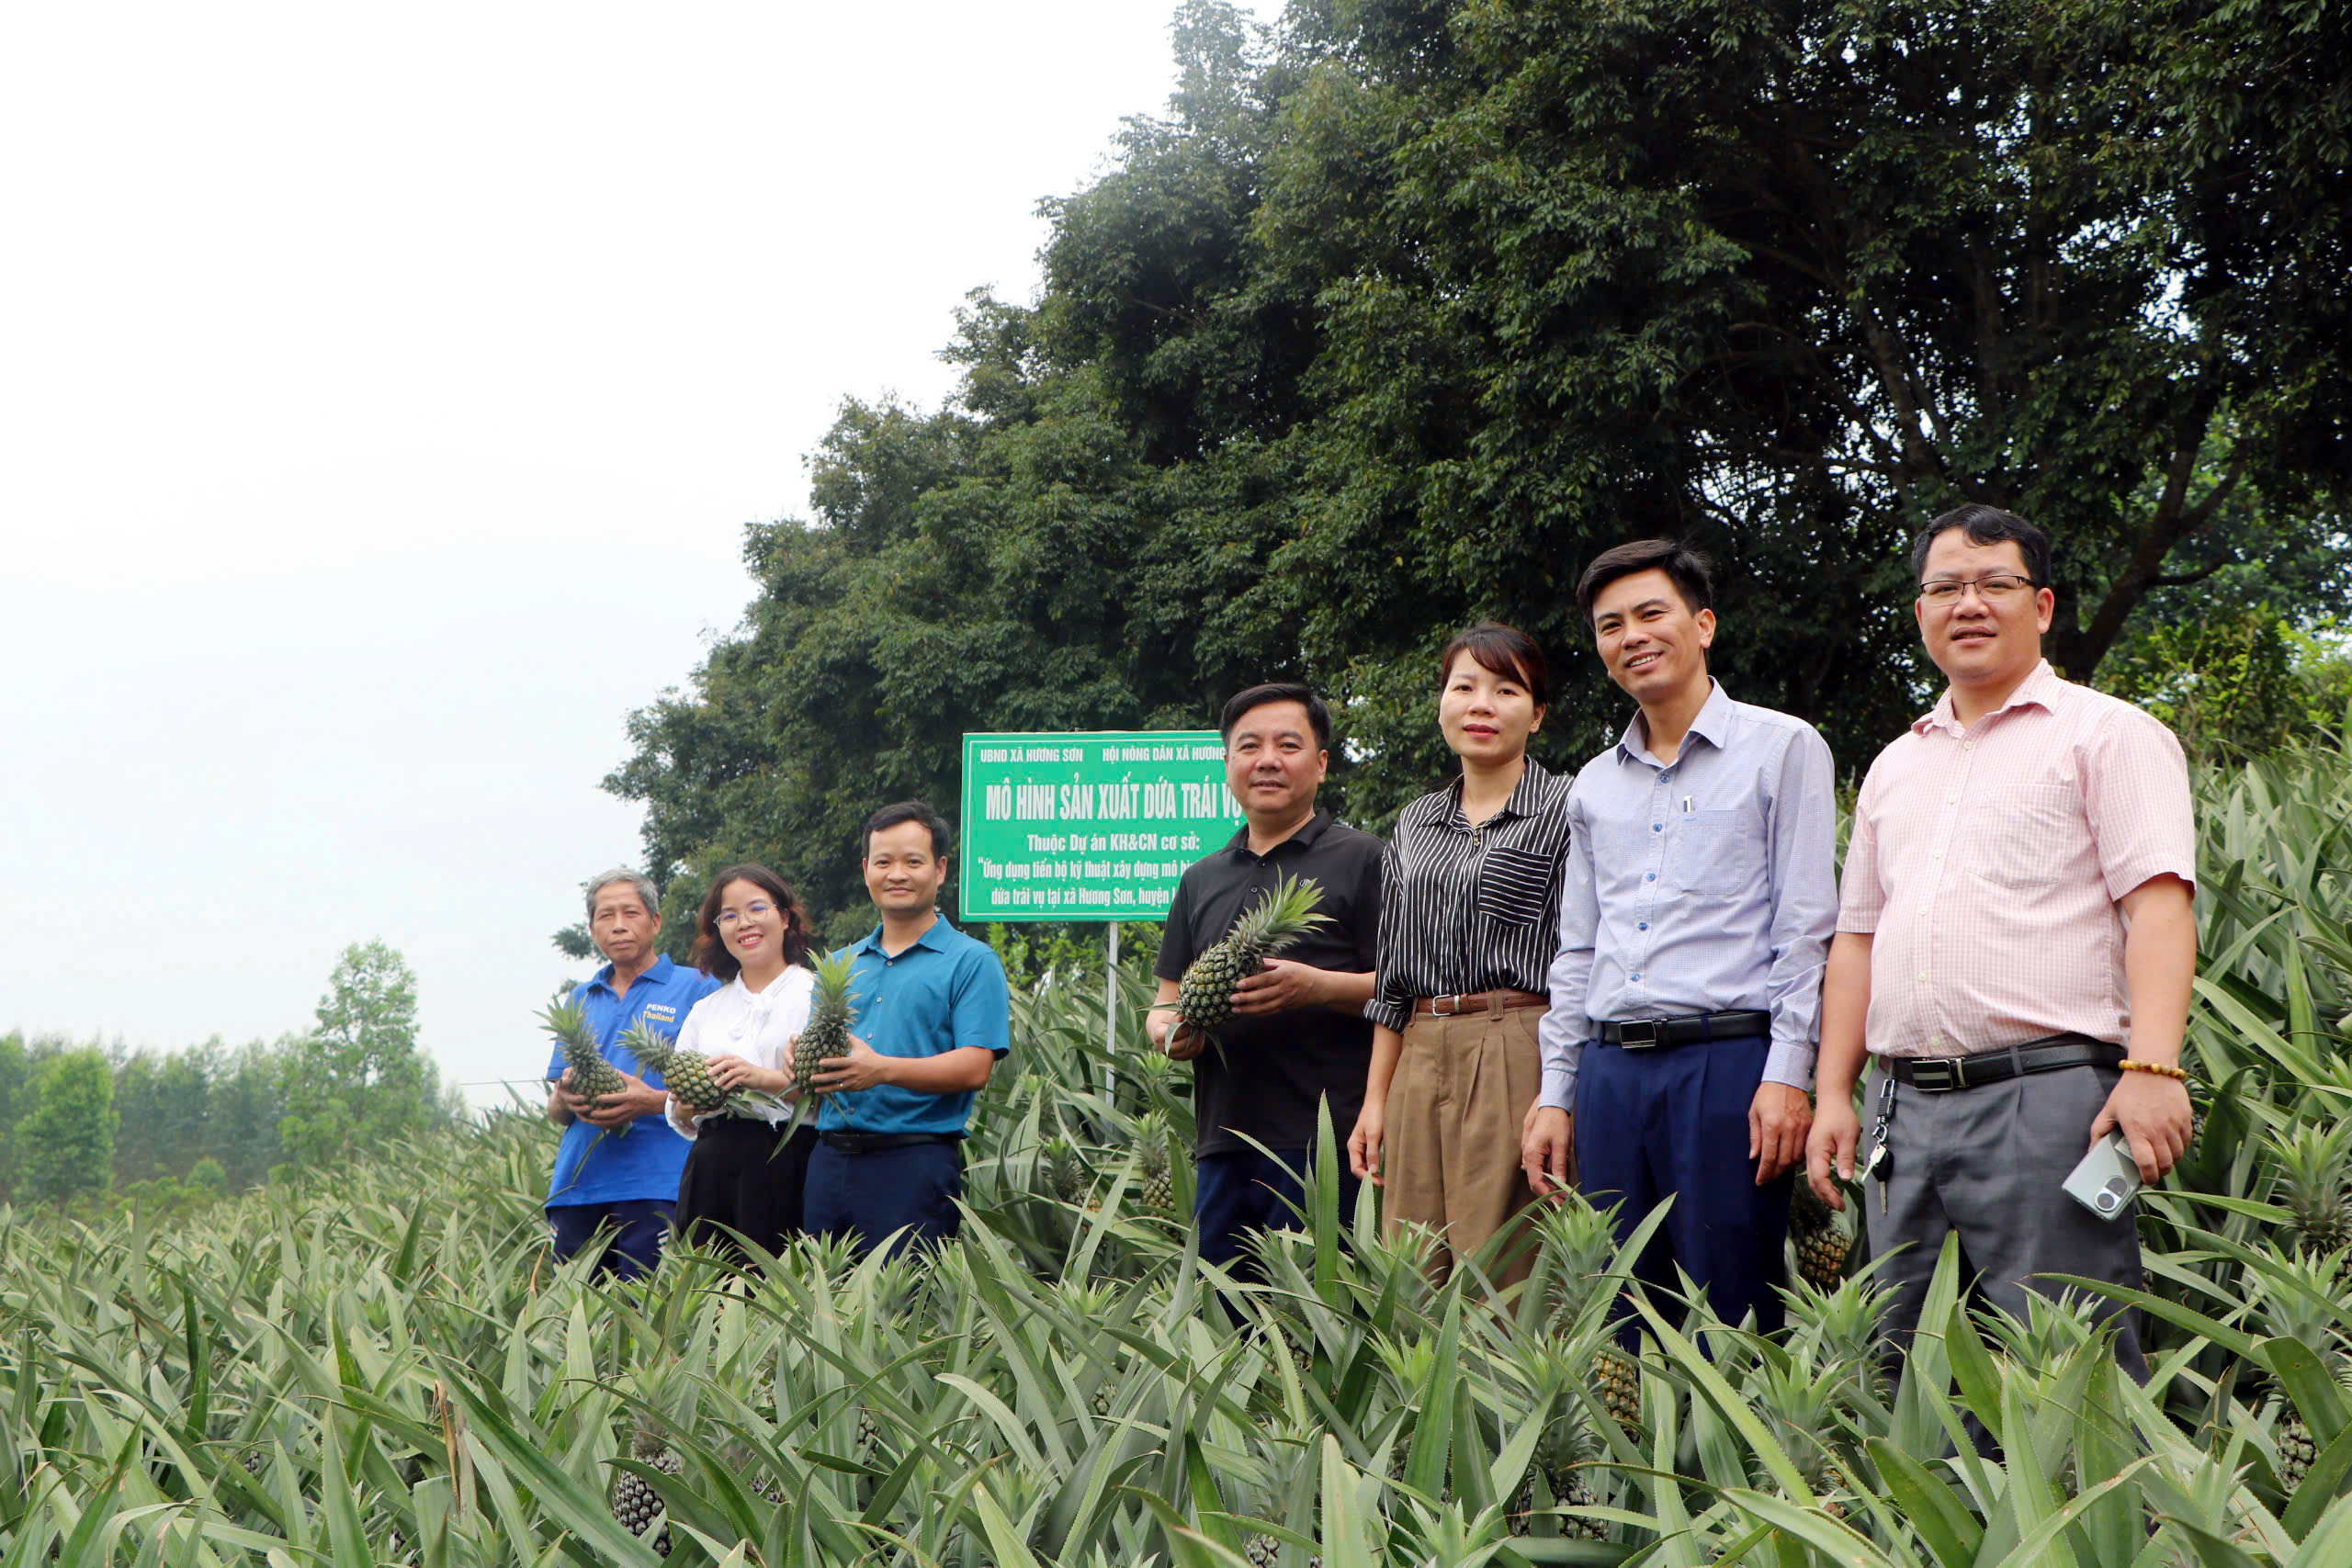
(383, 392)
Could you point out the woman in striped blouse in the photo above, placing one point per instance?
(1469, 915)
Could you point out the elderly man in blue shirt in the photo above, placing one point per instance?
(930, 1014)
(603, 1180)
(1695, 916)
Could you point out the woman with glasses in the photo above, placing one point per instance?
(741, 1176)
(1469, 915)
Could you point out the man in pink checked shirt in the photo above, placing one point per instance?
(2015, 947)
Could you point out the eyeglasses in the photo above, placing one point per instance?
(1994, 589)
(755, 909)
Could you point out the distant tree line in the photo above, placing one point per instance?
(1407, 308)
(81, 1123)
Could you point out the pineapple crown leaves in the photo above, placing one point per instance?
(566, 1019)
(1284, 913)
(834, 972)
(651, 1048)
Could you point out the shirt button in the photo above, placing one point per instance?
(1644, 925)
(1651, 877)
(1938, 854)
(1637, 976)
(1953, 799)
(1968, 745)
(1658, 827)
(1923, 977)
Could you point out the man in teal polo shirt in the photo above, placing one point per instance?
(619, 1165)
(930, 1013)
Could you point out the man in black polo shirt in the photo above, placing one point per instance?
(1298, 1036)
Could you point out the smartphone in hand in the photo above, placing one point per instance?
(2108, 1177)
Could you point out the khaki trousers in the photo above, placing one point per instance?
(1451, 1156)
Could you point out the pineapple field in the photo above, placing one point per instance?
(386, 1367)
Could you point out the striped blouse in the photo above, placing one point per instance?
(1464, 908)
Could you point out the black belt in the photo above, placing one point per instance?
(1940, 1075)
(850, 1142)
(1648, 1034)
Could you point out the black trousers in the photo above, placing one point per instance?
(743, 1175)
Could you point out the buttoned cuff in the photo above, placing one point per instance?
(1559, 1089)
(1791, 1062)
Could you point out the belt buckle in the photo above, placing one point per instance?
(1437, 1008)
(1651, 1035)
(1939, 1075)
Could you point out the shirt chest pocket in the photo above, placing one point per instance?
(1715, 853)
(2029, 837)
(1515, 886)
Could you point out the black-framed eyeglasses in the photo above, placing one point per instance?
(1992, 587)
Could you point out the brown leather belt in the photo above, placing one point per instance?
(1477, 1002)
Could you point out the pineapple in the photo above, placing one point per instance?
(1156, 1195)
(1283, 914)
(2315, 1165)
(1821, 1244)
(1067, 1177)
(1558, 1455)
(687, 1073)
(828, 1030)
(2295, 1299)
(591, 1074)
(636, 1506)
(1617, 1384)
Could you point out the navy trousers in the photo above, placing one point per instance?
(865, 1197)
(638, 1228)
(1242, 1190)
(1673, 1122)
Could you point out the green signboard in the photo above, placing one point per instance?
(1091, 825)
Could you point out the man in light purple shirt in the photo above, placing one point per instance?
(1696, 910)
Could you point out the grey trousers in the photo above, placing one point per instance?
(1989, 1163)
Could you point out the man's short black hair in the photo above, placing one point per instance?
(1259, 696)
(1690, 572)
(907, 811)
(1987, 525)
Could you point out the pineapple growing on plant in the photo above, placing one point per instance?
(1617, 1384)
(2294, 1299)
(591, 1074)
(2314, 1165)
(636, 1506)
(1066, 1176)
(1281, 915)
(1157, 1149)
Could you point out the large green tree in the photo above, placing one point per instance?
(1403, 314)
(65, 1144)
(357, 1081)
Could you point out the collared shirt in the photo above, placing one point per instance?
(1281, 1067)
(646, 1161)
(1464, 908)
(736, 1020)
(944, 991)
(1986, 864)
(1704, 884)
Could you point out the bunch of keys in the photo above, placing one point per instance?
(1879, 1161)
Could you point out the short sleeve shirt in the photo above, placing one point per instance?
(1273, 1073)
(645, 1162)
(1987, 864)
(944, 991)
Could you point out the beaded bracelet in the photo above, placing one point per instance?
(2156, 1067)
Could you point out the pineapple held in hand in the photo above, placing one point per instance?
(591, 1074)
(687, 1073)
(1281, 915)
(828, 1030)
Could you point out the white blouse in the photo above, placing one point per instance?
(735, 1021)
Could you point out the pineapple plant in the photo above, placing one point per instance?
(591, 1074)
(2295, 1298)
(828, 1030)
(1281, 915)
(2314, 1169)
(1066, 1176)
(1821, 1244)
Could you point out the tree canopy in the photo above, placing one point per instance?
(1407, 308)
